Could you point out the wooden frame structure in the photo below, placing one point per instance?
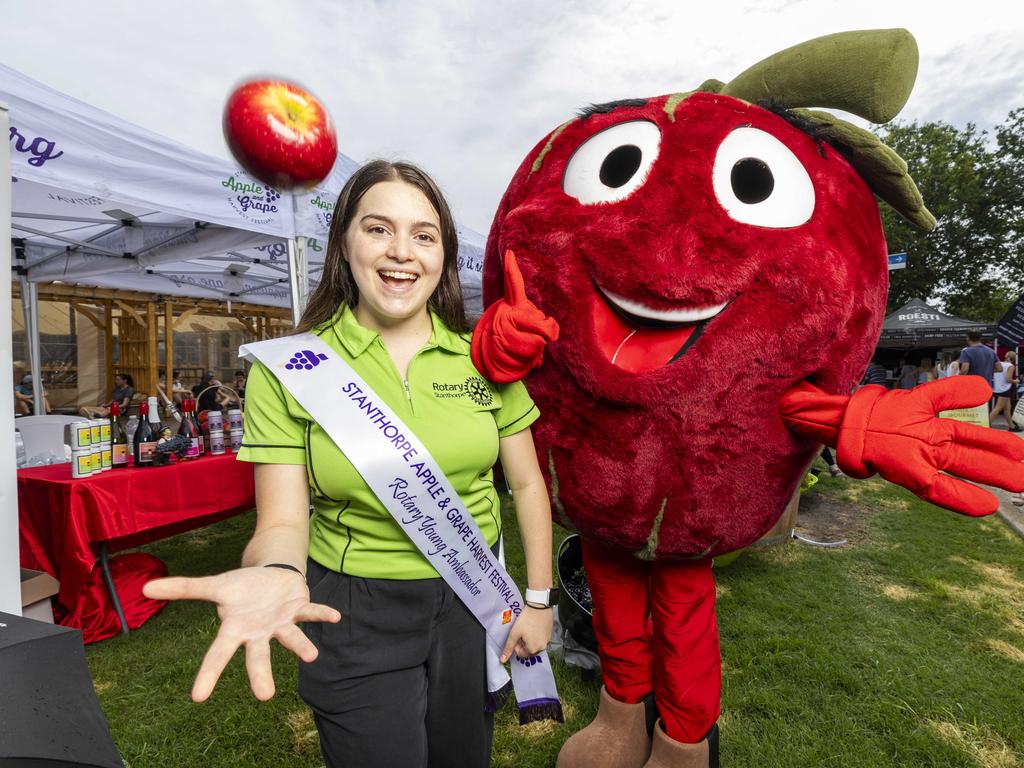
(139, 320)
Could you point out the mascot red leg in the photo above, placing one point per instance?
(656, 632)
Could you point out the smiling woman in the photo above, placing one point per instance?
(423, 205)
(393, 660)
(393, 249)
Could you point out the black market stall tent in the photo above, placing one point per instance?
(1011, 326)
(917, 324)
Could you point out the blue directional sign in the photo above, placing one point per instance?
(897, 261)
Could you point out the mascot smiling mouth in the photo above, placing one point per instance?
(636, 338)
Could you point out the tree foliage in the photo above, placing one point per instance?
(972, 263)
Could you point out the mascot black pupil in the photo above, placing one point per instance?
(620, 165)
(752, 180)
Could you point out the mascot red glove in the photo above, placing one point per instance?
(716, 266)
(511, 335)
(898, 435)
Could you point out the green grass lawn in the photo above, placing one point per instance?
(905, 648)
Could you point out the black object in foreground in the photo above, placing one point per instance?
(575, 605)
(49, 714)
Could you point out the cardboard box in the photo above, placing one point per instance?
(36, 590)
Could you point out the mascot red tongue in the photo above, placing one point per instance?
(716, 266)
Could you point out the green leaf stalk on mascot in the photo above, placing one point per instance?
(657, 244)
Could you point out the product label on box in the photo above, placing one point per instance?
(119, 455)
(83, 465)
(84, 436)
(105, 433)
(106, 458)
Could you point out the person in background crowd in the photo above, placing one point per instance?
(978, 360)
(908, 376)
(24, 397)
(233, 399)
(926, 371)
(953, 366)
(178, 390)
(206, 392)
(124, 391)
(161, 391)
(203, 383)
(875, 373)
(830, 460)
(1004, 387)
(1017, 391)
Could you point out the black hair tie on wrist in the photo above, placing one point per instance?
(286, 566)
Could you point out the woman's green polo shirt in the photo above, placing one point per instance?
(452, 409)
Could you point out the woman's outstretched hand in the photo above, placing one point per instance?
(255, 605)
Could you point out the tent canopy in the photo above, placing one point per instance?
(1011, 326)
(918, 324)
(101, 202)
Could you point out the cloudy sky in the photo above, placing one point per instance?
(467, 88)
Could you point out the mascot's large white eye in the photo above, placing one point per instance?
(610, 165)
(759, 181)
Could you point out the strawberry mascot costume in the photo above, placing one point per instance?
(707, 272)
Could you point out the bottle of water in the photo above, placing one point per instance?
(130, 427)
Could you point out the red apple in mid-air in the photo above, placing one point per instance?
(280, 134)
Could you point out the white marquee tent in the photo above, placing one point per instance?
(97, 201)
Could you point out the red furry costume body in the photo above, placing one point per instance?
(707, 310)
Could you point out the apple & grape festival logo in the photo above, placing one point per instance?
(254, 202)
(304, 360)
(323, 210)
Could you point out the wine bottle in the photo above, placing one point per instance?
(145, 440)
(190, 429)
(118, 438)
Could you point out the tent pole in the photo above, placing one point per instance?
(10, 581)
(36, 356)
(108, 340)
(169, 346)
(298, 277)
(151, 343)
(30, 307)
(26, 312)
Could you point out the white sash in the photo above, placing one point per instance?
(410, 484)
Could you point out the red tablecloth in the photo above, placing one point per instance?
(61, 520)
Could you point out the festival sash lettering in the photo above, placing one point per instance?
(409, 483)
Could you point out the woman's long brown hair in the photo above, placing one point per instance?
(338, 287)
